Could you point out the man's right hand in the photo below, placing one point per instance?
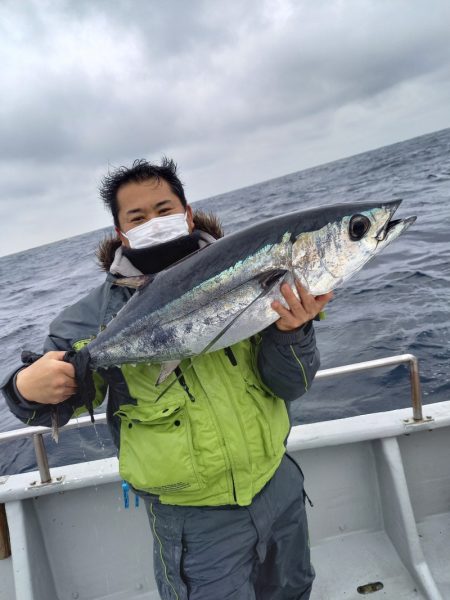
(49, 380)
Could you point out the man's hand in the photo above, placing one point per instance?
(49, 380)
(299, 311)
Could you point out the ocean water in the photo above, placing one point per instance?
(399, 303)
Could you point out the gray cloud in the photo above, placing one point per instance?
(237, 92)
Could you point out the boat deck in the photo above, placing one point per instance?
(381, 493)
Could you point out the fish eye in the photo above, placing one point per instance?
(358, 227)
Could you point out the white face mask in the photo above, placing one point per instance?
(157, 231)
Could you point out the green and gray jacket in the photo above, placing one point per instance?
(218, 435)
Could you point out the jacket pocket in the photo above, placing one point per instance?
(271, 416)
(156, 452)
(261, 407)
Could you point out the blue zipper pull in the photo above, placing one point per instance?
(126, 494)
(136, 501)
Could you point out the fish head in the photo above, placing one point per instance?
(342, 242)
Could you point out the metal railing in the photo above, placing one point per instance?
(416, 394)
(410, 359)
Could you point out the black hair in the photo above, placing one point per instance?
(141, 170)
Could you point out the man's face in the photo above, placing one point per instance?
(140, 202)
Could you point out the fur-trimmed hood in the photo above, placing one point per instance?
(106, 250)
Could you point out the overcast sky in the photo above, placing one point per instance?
(235, 91)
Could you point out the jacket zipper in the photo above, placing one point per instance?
(231, 356)
(183, 383)
(232, 481)
(220, 435)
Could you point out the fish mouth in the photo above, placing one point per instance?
(393, 227)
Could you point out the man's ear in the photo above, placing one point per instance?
(190, 218)
(122, 238)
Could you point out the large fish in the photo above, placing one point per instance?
(223, 293)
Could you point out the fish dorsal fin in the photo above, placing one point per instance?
(268, 281)
(136, 282)
(166, 369)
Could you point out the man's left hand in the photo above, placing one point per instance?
(301, 310)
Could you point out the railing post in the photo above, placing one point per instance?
(416, 394)
(41, 458)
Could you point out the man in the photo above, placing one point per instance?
(225, 502)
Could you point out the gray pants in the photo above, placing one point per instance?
(257, 552)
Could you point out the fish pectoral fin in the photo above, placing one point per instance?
(166, 369)
(137, 282)
(268, 281)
